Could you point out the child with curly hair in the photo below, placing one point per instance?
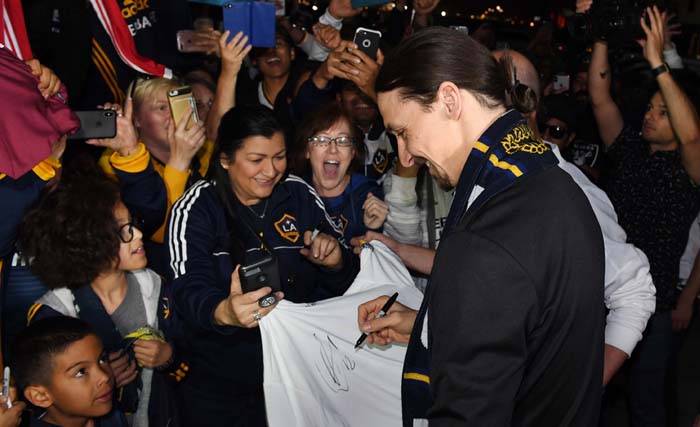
(86, 247)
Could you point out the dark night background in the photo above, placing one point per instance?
(516, 8)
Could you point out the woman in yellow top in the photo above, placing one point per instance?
(154, 159)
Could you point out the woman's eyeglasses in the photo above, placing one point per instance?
(325, 141)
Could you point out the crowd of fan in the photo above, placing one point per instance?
(281, 130)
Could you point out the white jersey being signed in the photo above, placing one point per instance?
(313, 376)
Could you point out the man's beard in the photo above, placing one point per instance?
(442, 181)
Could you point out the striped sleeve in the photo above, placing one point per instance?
(197, 286)
(177, 227)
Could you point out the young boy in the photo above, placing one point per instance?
(60, 367)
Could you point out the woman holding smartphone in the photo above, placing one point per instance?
(246, 210)
(154, 157)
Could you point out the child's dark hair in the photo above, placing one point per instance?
(238, 124)
(71, 235)
(36, 346)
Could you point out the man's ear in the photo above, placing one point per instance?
(572, 137)
(224, 161)
(450, 99)
(292, 53)
(38, 395)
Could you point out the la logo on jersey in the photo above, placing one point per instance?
(340, 222)
(165, 303)
(380, 160)
(287, 227)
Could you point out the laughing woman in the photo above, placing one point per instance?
(329, 145)
(245, 210)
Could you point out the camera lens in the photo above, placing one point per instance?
(262, 278)
(109, 113)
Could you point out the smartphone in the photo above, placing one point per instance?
(561, 82)
(184, 41)
(367, 41)
(180, 99)
(259, 274)
(96, 124)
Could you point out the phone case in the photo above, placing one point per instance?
(367, 41)
(256, 19)
(260, 274)
(180, 99)
(184, 42)
(96, 124)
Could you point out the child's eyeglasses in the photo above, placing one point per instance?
(126, 231)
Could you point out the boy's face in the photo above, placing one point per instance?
(81, 382)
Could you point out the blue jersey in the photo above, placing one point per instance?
(346, 210)
(202, 258)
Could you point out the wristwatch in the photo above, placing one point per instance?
(663, 68)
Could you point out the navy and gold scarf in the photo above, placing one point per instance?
(506, 152)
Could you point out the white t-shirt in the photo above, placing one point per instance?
(313, 376)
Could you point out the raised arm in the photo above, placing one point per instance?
(232, 55)
(606, 112)
(682, 114)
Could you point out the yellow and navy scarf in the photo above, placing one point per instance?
(506, 152)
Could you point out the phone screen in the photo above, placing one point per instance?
(561, 82)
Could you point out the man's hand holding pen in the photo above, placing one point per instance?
(395, 326)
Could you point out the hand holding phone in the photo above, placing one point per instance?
(181, 101)
(125, 141)
(244, 309)
(367, 41)
(185, 134)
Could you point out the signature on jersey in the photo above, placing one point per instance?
(334, 365)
